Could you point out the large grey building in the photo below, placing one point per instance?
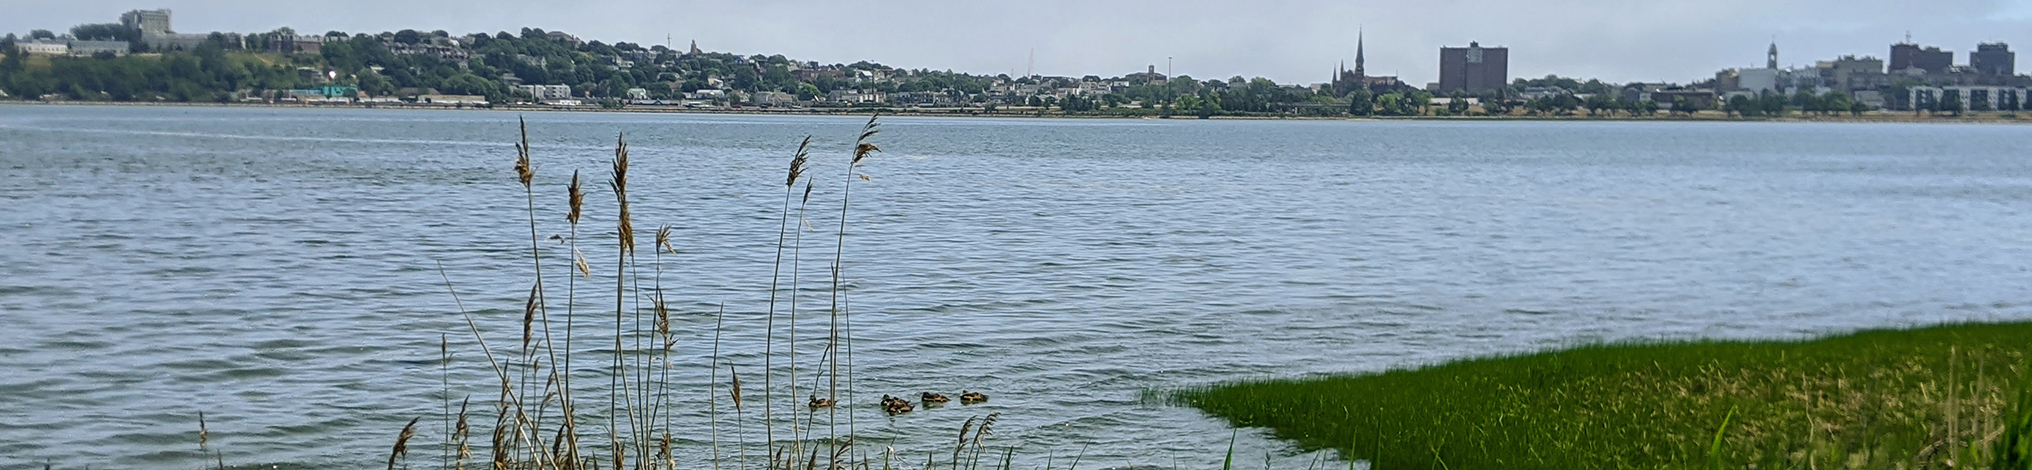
(1994, 59)
(1473, 69)
(150, 22)
(1931, 59)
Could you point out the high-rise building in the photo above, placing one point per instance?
(1931, 59)
(1994, 59)
(150, 22)
(1474, 68)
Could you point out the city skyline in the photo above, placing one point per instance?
(1283, 41)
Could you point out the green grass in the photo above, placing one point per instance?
(1915, 398)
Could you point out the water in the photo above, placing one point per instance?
(277, 269)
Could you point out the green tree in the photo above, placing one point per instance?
(41, 34)
(1950, 101)
(1361, 103)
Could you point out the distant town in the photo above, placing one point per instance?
(141, 58)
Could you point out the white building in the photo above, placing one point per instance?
(44, 47)
(548, 92)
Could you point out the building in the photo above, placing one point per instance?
(1851, 73)
(1995, 59)
(149, 22)
(548, 92)
(1969, 98)
(1474, 68)
(82, 47)
(1347, 81)
(44, 47)
(1907, 55)
(444, 53)
(292, 44)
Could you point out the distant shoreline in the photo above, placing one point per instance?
(1705, 116)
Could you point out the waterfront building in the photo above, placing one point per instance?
(548, 92)
(1474, 68)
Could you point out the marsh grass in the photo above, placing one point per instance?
(1874, 399)
(537, 420)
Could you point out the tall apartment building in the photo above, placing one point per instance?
(1994, 59)
(1907, 55)
(1474, 68)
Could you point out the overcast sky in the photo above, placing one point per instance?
(1287, 41)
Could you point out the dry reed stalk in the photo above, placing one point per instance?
(402, 442)
(796, 171)
(624, 228)
(862, 149)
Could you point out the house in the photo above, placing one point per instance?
(773, 98)
(44, 47)
(857, 97)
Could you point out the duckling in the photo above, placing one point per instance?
(817, 402)
(969, 398)
(895, 405)
(934, 398)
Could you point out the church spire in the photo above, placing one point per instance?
(1771, 58)
(1359, 72)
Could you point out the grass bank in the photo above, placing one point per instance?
(1924, 398)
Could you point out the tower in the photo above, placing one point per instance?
(1359, 71)
(1771, 58)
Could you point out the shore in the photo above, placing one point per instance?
(1875, 399)
(1703, 116)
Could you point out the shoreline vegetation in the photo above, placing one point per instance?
(1950, 396)
(1702, 116)
(547, 414)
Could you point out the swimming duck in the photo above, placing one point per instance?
(967, 397)
(817, 402)
(930, 398)
(895, 405)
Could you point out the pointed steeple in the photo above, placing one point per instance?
(1359, 71)
(1771, 58)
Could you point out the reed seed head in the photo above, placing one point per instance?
(204, 435)
(736, 391)
(577, 198)
(797, 163)
(862, 147)
(663, 239)
(529, 317)
(402, 442)
(524, 170)
(625, 227)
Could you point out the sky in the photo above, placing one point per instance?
(1287, 41)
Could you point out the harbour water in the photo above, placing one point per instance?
(278, 269)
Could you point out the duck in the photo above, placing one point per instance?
(969, 397)
(895, 405)
(817, 402)
(934, 398)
